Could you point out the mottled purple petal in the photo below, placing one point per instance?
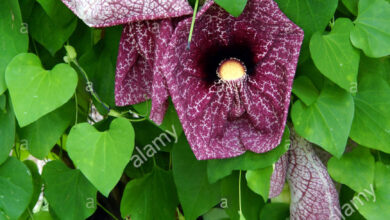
(313, 194)
(223, 119)
(137, 75)
(103, 13)
(278, 177)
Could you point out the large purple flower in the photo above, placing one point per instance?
(313, 194)
(232, 88)
(147, 30)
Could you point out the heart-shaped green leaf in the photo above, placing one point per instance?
(57, 11)
(16, 188)
(13, 36)
(40, 136)
(334, 55)
(310, 15)
(371, 125)
(326, 122)
(47, 32)
(102, 156)
(69, 193)
(35, 91)
(355, 169)
(372, 29)
(150, 197)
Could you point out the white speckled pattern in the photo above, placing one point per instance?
(103, 13)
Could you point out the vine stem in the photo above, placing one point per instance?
(90, 89)
(106, 210)
(239, 193)
(90, 85)
(77, 108)
(30, 214)
(192, 24)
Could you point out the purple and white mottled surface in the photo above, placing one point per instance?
(219, 120)
(278, 177)
(104, 13)
(148, 27)
(137, 78)
(313, 193)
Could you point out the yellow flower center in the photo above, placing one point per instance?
(231, 69)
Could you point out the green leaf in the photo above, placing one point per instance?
(305, 90)
(43, 134)
(371, 125)
(42, 215)
(7, 131)
(37, 183)
(376, 207)
(81, 38)
(16, 188)
(346, 198)
(233, 7)
(216, 214)
(275, 211)
(13, 36)
(284, 196)
(26, 7)
(100, 62)
(355, 169)
(251, 203)
(334, 55)
(148, 133)
(196, 194)
(310, 15)
(57, 11)
(309, 70)
(3, 103)
(326, 122)
(372, 29)
(35, 91)
(102, 156)
(68, 192)
(150, 197)
(351, 5)
(369, 66)
(259, 181)
(171, 119)
(219, 168)
(49, 34)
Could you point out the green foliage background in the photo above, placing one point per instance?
(341, 101)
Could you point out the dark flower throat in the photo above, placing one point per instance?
(212, 58)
